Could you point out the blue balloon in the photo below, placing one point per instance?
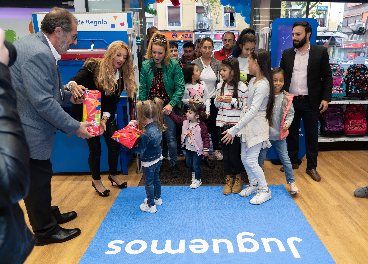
(152, 2)
(238, 8)
(224, 2)
(247, 19)
(233, 2)
(245, 11)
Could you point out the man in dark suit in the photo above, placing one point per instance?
(308, 77)
(40, 93)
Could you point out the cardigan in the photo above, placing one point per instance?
(173, 80)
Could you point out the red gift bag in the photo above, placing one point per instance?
(128, 136)
(92, 110)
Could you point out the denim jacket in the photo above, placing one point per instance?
(149, 144)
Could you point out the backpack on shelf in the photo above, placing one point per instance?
(355, 120)
(319, 127)
(339, 86)
(333, 121)
(356, 80)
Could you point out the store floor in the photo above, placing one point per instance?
(338, 218)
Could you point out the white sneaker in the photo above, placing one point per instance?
(249, 189)
(217, 154)
(261, 197)
(157, 202)
(195, 184)
(145, 208)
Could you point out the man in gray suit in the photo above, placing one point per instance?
(40, 94)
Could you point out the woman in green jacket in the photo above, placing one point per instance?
(161, 76)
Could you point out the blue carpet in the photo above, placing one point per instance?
(205, 226)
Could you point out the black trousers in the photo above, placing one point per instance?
(94, 145)
(231, 155)
(211, 125)
(38, 202)
(303, 109)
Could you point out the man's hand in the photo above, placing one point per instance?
(323, 106)
(76, 100)
(167, 109)
(77, 90)
(4, 53)
(82, 131)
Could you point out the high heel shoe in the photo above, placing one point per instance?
(105, 193)
(121, 186)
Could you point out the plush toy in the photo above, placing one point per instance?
(243, 77)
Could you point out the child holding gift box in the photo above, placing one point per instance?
(110, 75)
(150, 122)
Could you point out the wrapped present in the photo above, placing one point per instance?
(92, 110)
(128, 136)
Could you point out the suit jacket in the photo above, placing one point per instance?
(40, 93)
(319, 77)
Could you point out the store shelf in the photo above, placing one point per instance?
(347, 101)
(343, 138)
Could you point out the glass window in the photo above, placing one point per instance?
(173, 16)
(201, 19)
(229, 19)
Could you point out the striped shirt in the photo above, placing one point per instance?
(229, 113)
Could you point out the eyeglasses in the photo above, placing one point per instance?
(227, 40)
(163, 40)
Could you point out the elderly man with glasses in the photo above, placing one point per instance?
(228, 39)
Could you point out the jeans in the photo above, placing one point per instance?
(170, 135)
(303, 109)
(254, 171)
(281, 149)
(152, 182)
(193, 162)
(231, 156)
(113, 146)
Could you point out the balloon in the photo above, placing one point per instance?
(151, 2)
(238, 8)
(247, 19)
(233, 2)
(224, 2)
(245, 11)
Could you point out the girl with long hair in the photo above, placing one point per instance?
(161, 76)
(111, 75)
(150, 122)
(256, 121)
(231, 98)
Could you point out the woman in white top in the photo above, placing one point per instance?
(210, 75)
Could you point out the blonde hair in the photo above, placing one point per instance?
(105, 73)
(150, 109)
(159, 39)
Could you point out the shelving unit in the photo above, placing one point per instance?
(345, 138)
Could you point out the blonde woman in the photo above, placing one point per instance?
(162, 77)
(111, 75)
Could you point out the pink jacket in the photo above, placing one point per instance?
(286, 103)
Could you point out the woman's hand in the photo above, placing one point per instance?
(102, 126)
(76, 100)
(77, 90)
(227, 138)
(167, 109)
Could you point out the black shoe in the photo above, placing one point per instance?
(59, 237)
(209, 163)
(64, 218)
(175, 172)
(105, 193)
(121, 186)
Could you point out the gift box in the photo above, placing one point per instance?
(128, 136)
(92, 110)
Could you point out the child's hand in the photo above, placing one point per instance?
(285, 127)
(208, 116)
(205, 153)
(218, 98)
(191, 101)
(226, 99)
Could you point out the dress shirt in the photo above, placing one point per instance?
(298, 84)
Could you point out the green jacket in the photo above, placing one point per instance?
(173, 80)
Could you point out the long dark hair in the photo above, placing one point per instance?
(247, 35)
(198, 110)
(188, 71)
(264, 62)
(232, 64)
